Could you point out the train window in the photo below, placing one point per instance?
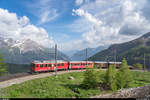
(49, 65)
(88, 63)
(58, 64)
(62, 64)
(81, 64)
(75, 64)
(36, 65)
(41, 65)
(55, 65)
(45, 65)
(78, 64)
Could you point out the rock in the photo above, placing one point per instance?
(138, 92)
(70, 77)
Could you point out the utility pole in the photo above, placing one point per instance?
(115, 57)
(56, 60)
(149, 64)
(86, 56)
(144, 63)
(107, 57)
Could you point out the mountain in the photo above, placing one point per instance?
(133, 51)
(69, 53)
(26, 51)
(81, 55)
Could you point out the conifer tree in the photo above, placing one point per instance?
(101, 76)
(90, 79)
(124, 76)
(110, 78)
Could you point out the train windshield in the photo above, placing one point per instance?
(32, 65)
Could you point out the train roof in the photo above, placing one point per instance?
(49, 61)
(62, 61)
(107, 62)
(80, 61)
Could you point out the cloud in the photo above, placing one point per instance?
(48, 15)
(45, 10)
(88, 16)
(23, 21)
(19, 28)
(79, 2)
(104, 22)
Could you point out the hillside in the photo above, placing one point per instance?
(24, 52)
(133, 51)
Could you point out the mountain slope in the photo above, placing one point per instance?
(133, 51)
(81, 55)
(24, 52)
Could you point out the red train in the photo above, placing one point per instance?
(38, 66)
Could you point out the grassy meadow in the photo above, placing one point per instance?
(63, 87)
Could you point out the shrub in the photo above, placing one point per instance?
(95, 67)
(101, 76)
(3, 66)
(110, 78)
(123, 76)
(90, 79)
(138, 66)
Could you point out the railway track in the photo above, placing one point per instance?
(13, 76)
(19, 78)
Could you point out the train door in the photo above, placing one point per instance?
(36, 67)
(69, 66)
(32, 67)
(53, 66)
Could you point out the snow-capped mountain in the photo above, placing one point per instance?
(27, 45)
(26, 51)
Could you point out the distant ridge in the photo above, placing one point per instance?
(81, 55)
(133, 51)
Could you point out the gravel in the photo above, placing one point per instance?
(139, 92)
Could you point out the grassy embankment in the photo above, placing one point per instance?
(51, 87)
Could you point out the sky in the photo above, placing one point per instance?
(74, 24)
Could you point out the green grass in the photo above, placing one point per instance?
(140, 78)
(62, 87)
(50, 87)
